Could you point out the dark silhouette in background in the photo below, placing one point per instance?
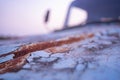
(96, 9)
(46, 19)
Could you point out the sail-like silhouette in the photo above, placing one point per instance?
(96, 9)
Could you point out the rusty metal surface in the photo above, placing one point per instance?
(92, 58)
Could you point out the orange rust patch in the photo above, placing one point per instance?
(57, 50)
(13, 65)
(44, 45)
(24, 51)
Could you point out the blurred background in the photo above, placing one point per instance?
(36, 17)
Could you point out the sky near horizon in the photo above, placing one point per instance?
(25, 17)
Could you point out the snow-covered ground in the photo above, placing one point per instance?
(97, 58)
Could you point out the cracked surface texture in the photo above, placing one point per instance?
(96, 58)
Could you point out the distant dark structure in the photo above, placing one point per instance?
(47, 16)
(96, 9)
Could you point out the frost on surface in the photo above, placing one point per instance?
(65, 63)
(37, 54)
(96, 58)
(6, 58)
(8, 48)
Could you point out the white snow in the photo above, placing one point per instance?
(64, 63)
(59, 55)
(6, 58)
(47, 59)
(101, 64)
(37, 54)
(8, 48)
(27, 65)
